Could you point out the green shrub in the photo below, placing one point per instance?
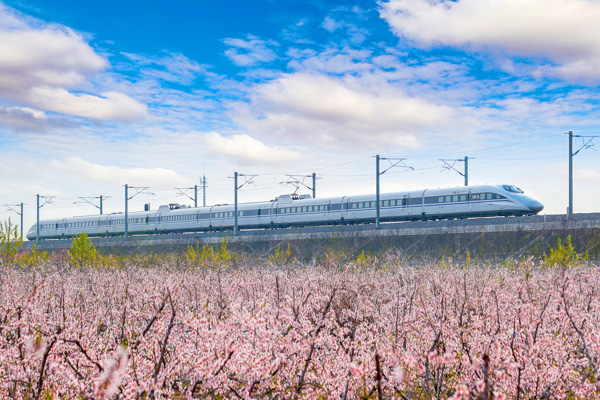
(564, 256)
(83, 252)
(208, 257)
(10, 240)
(280, 257)
(32, 258)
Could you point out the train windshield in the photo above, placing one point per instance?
(512, 189)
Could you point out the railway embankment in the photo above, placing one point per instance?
(486, 237)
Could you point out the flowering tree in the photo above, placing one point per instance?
(305, 332)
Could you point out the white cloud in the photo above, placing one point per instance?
(248, 150)
(565, 32)
(111, 106)
(48, 60)
(25, 119)
(112, 174)
(173, 67)
(331, 25)
(247, 53)
(325, 111)
(587, 175)
(332, 60)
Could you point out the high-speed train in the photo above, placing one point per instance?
(291, 211)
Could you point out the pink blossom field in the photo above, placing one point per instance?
(307, 331)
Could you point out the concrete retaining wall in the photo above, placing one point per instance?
(485, 236)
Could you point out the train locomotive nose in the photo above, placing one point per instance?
(536, 206)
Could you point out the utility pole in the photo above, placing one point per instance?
(203, 190)
(377, 174)
(126, 211)
(138, 190)
(587, 144)
(248, 179)
(466, 171)
(377, 221)
(447, 165)
(10, 207)
(47, 200)
(570, 209)
(235, 179)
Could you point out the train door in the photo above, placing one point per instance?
(210, 217)
(406, 204)
(272, 212)
(423, 211)
(344, 210)
(469, 201)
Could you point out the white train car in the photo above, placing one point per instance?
(291, 210)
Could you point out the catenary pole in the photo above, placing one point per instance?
(235, 213)
(377, 222)
(126, 213)
(37, 225)
(570, 210)
(204, 190)
(196, 196)
(466, 171)
(314, 185)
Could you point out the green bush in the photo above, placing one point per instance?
(280, 257)
(564, 256)
(10, 240)
(208, 257)
(83, 252)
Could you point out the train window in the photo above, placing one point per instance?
(475, 196)
(490, 196)
(454, 198)
(448, 199)
(354, 205)
(463, 197)
(512, 189)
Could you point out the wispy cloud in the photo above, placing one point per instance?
(172, 67)
(250, 52)
(25, 119)
(111, 173)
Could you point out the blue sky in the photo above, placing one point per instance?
(95, 95)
